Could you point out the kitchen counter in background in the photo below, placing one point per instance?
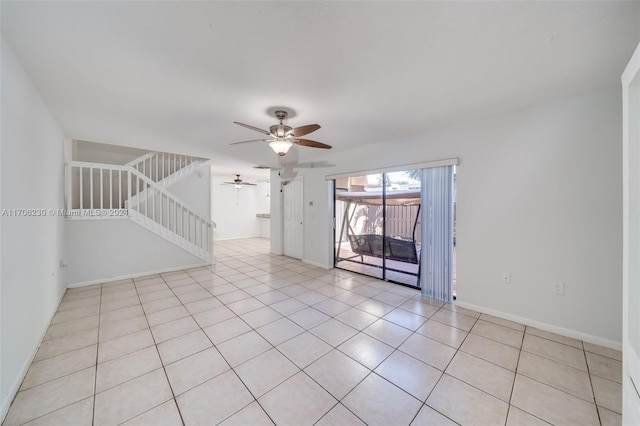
(265, 224)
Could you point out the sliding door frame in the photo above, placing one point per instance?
(384, 171)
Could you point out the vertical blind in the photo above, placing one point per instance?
(437, 233)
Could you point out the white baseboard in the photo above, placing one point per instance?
(319, 265)
(545, 326)
(239, 238)
(139, 274)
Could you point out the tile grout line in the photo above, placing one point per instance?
(164, 368)
(155, 344)
(282, 268)
(95, 379)
(445, 369)
(593, 392)
(413, 332)
(300, 370)
(223, 357)
(515, 375)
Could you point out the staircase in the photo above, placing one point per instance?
(163, 168)
(137, 191)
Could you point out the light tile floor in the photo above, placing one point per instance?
(262, 339)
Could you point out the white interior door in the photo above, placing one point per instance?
(293, 204)
(631, 242)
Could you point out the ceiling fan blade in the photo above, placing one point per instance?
(252, 128)
(310, 143)
(304, 130)
(252, 140)
(250, 184)
(228, 183)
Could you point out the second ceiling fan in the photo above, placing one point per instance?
(284, 136)
(239, 183)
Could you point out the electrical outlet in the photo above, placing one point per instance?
(558, 288)
(506, 278)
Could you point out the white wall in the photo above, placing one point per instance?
(119, 249)
(539, 196)
(277, 214)
(107, 249)
(263, 197)
(195, 190)
(94, 152)
(263, 206)
(234, 210)
(31, 176)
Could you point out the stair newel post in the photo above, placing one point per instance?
(81, 191)
(101, 188)
(91, 188)
(181, 220)
(138, 192)
(153, 201)
(120, 189)
(198, 235)
(67, 179)
(110, 188)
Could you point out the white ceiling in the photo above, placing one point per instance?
(173, 76)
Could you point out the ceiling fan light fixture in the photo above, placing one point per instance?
(238, 185)
(280, 146)
(284, 135)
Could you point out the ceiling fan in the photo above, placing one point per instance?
(283, 136)
(239, 183)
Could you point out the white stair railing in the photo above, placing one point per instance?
(101, 191)
(165, 167)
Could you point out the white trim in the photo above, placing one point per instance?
(332, 220)
(319, 265)
(96, 217)
(13, 390)
(630, 164)
(141, 158)
(544, 326)
(239, 238)
(412, 166)
(138, 274)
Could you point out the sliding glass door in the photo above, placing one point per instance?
(378, 230)
(359, 236)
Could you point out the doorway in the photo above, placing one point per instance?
(293, 217)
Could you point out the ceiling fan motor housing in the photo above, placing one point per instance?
(280, 131)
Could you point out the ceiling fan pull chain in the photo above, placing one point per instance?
(280, 171)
